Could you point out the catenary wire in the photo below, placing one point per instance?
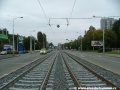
(69, 19)
(46, 18)
(43, 11)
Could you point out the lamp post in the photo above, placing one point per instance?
(31, 41)
(78, 39)
(103, 33)
(34, 44)
(81, 42)
(43, 41)
(13, 34)
(68, 41)
(104, 30)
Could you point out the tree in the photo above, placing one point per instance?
(92, 28)
(4, 31)
(116, 29)
(110, 39)
(91, 35)
(51, 44)
(98, 35)
(27, 43)
(42, 39)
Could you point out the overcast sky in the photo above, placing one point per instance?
(34, 18)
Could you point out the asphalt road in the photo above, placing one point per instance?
(11, 64)
(5, 56)
(109, 62)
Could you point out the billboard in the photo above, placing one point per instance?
(2, 36)
(96, 43)
(20, 45)
(7, 47)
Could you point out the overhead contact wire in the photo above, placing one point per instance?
(43, 11)
(70, 16)
(46, 16)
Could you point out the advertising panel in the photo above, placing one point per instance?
(96, 43)
(7, 47)
(2, 36)
(20, 45)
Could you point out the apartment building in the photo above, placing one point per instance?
(107, 23)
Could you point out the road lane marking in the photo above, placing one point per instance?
(5, 74)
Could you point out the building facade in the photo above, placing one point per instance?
(107, 23)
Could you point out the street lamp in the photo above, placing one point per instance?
(103, 33)
(34, 44)
(104, 30)
(13, 34)
(31, 41)
(43, 40)
(81, 42)
(78, 39)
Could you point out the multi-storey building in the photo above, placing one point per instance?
(107, 23)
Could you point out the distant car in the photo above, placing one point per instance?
(49, 50)
(3, 52)
(43, 51)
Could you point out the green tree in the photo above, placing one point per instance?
(40, 39)
(27, 43)
(110, 39)
(44, 40)
(91, 35)
(116, 29)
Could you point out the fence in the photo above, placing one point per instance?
(116, 49)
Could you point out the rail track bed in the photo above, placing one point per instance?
(111, 79)
(58, 71)
(28, 77)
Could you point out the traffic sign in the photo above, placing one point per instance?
(2, 36)
(96, 43)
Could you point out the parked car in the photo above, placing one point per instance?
(49, 50)
(43, 51)
(3, 52)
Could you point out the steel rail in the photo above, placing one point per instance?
(71, 74)
(47, 76)
(23, 74)
(97, 75)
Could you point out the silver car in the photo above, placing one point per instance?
(43, 51)
(3, 52)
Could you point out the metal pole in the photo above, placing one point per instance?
(93, 39)
(30, 43)
(17, 44)
(34, 44)
(81, 43)
(43, 41)
(103, 41)
(13, 36)
(103, 37)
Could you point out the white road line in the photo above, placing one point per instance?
(114, 61)
(5, 74)
(82, 56)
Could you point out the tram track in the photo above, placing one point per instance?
(10, 80)
(58, 71)
(103, 78)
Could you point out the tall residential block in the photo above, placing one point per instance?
(107, 23)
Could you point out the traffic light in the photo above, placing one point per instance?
(58, 26)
